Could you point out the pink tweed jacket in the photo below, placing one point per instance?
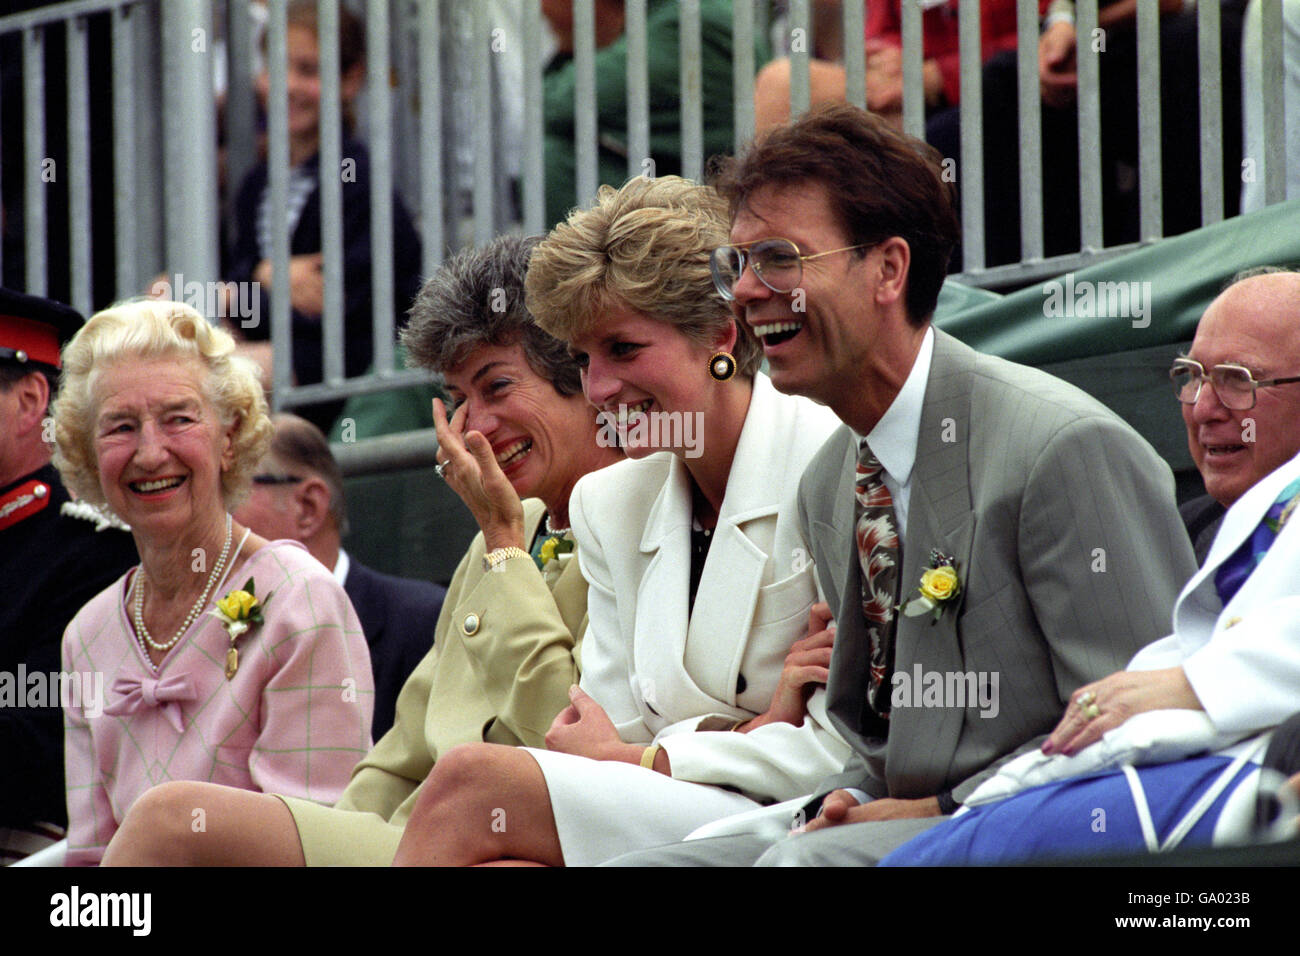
(294, 720)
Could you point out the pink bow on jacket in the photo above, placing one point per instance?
(165, 694)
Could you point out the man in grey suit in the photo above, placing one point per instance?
(1055, 521)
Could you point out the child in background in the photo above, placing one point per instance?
(250, 253)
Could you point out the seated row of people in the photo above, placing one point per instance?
(952, 519)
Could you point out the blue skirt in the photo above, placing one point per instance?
(1090, 816)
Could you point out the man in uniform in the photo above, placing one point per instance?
(54, 557)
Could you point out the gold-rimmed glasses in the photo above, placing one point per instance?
(1234, 384)
(778, 263)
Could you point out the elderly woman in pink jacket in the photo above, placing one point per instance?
(222, 657)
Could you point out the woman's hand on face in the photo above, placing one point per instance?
(1105, 704)
(585, 730)
(806, 665)
(471, 469)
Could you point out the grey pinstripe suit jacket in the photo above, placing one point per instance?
(1070, 551)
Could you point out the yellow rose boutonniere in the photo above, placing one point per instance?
(238, 612)
(940, 585)
(555, 552)
(552, 549)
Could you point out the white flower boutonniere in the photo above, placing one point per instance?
(940, 585)
(238, 612)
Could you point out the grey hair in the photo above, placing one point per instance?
(477, 298)
(1253, 271)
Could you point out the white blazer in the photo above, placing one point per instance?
(1242, 659)
(667, 675)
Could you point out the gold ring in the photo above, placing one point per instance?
(1092, 711)
(1086, 698)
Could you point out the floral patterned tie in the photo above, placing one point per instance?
(879, 555)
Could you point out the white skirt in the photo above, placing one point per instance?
(604, 808)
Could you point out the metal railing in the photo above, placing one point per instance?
(436, 81)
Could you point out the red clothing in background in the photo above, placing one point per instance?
(939, 33)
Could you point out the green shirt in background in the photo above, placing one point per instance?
(664, 75)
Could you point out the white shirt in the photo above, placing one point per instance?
(341, 567)
(896, 435)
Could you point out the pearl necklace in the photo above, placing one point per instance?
(554, 531)
(143, 631)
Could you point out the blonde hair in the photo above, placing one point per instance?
(645, 246)
(145, 329)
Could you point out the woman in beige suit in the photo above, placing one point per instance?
(506, 644)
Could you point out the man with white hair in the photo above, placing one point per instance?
(1247, 424)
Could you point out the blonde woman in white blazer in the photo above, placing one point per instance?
(699, 579)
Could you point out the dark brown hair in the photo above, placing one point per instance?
(880, 183)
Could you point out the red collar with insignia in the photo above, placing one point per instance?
(23, 501)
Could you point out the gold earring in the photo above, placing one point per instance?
(722, 366)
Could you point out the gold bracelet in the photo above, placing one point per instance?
(648, 756)
(500, 556)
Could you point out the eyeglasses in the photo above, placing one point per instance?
(276, 479)
(777, 263)
(1234, 384)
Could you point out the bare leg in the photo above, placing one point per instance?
(185, 823)
(482, 803)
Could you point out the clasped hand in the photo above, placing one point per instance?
(585, 730)
(306, 282)
(840, 807)
(807, 664)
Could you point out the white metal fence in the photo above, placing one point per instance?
(438, 72)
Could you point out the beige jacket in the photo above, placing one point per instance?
(504, 655)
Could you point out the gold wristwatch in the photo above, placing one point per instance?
(500, 556)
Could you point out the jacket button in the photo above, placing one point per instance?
(471, 624)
